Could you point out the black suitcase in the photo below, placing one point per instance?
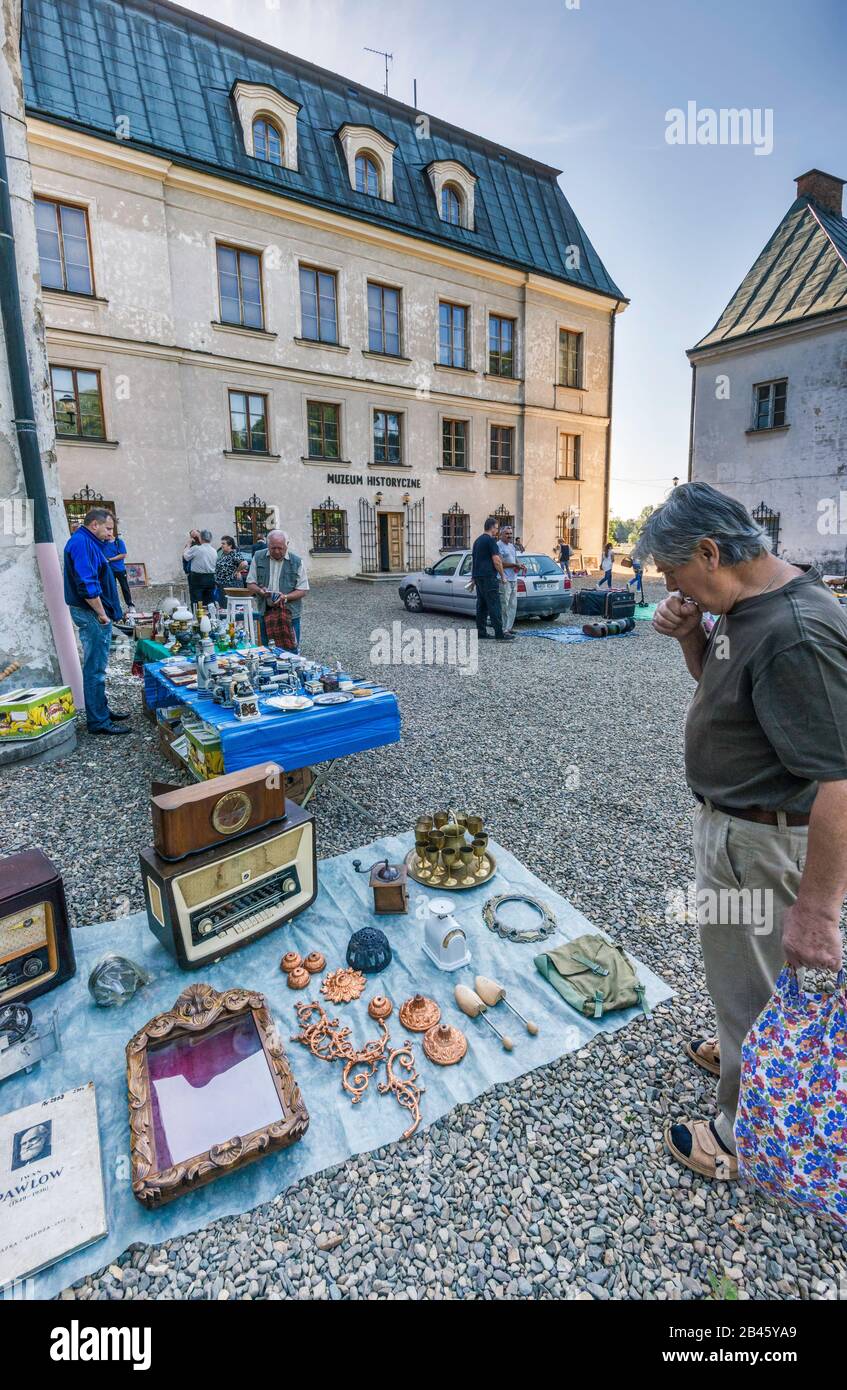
(590, 602)
(620, 603)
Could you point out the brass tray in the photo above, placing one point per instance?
(413, 868)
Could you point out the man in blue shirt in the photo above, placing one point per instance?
(486, 573)
(92, 596)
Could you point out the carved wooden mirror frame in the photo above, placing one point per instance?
(197, 1010)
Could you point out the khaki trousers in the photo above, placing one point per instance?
(509, 604)
(747, 877)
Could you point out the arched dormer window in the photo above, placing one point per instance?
(369, 156)
(451, 205)
(368, 175)
(454, 187)
(268, 141)
(268, 122)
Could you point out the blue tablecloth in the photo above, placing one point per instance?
(294, 740)
(93, 1040)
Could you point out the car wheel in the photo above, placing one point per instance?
(412, 600)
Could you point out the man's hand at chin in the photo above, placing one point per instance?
(811, 939)
(677, 617)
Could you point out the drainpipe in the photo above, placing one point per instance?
(27, 433)
(608, 478)
(691, 421)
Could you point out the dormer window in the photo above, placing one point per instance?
(367, 176)
(268, 142)
(268, 121)
(453, 186)
(370, 161)
(451, 205)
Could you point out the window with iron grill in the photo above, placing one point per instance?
(455, 529)
(329, 529)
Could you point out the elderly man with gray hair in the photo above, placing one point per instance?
(766, 759)
(278, 578)
(201, 557)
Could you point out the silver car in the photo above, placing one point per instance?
(543, 592)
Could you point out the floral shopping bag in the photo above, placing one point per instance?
(791, 1128)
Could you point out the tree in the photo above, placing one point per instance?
(619, 529)
(638, 524)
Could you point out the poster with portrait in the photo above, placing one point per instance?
(51, 1182)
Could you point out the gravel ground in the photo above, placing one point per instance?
(556, 1185)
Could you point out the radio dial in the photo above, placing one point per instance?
(206, 926)
(289, 885)
(32, 967)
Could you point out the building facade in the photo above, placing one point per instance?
(769, 417)
(271, 296)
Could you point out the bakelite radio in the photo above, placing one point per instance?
(206, 905)
(36, 951)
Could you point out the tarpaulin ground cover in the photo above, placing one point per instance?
(93, 1040)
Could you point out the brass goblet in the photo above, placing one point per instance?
(480, 844)
(474, 824)
(423, 825)
(466, 854)
(441, 818)
(431, 853)
(420, 850)
(449, 857)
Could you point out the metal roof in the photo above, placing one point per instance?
(800, 275)
(170, 72)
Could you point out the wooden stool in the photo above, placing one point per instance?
(240, 610)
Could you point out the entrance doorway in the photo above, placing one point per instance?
(391, 542)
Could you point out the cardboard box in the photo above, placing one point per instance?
(31, 711)
(205, 753)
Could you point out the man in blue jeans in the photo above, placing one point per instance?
(486, 573)
(91, 593)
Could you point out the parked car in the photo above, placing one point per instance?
(543, 592)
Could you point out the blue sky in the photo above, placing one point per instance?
(585, 85)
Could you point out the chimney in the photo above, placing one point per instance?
(823, 189)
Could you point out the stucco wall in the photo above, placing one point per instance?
(25, 633)
(795, 471)
(166, 369)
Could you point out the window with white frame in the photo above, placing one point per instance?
(268, 122)
(568, 462)
(452, 335)
(318, 304)
(383, 319)
(369, 156)
(454, 187)
(769, 401)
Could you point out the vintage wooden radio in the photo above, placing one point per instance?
(206, 906)
(187, 820)
(36, 951)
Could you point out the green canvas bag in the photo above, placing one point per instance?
(593, 976)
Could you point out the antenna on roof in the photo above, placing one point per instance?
(389, 58)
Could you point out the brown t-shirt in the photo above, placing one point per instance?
(769, 719)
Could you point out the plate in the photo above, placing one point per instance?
(292, 704)
(333, 697)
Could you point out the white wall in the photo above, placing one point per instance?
(794, 470)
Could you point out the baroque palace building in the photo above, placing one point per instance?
(272, 295)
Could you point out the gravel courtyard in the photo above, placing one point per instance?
(556, 1185)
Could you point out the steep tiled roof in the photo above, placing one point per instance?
(801, 274)
(170, 72)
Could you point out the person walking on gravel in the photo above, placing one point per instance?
(766, 760)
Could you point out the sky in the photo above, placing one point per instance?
(586, 86)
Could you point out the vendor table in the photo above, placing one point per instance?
(321, 734)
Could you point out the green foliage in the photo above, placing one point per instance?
(619, 529)
(637, 526)
(724, 1289)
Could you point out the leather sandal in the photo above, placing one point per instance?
(706, 1052)
(695, 1144)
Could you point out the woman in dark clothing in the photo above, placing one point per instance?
(227, 569)
(115, 549)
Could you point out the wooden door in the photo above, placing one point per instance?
(395, 541)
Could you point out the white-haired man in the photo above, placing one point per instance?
(766, 759)
(278, 579)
